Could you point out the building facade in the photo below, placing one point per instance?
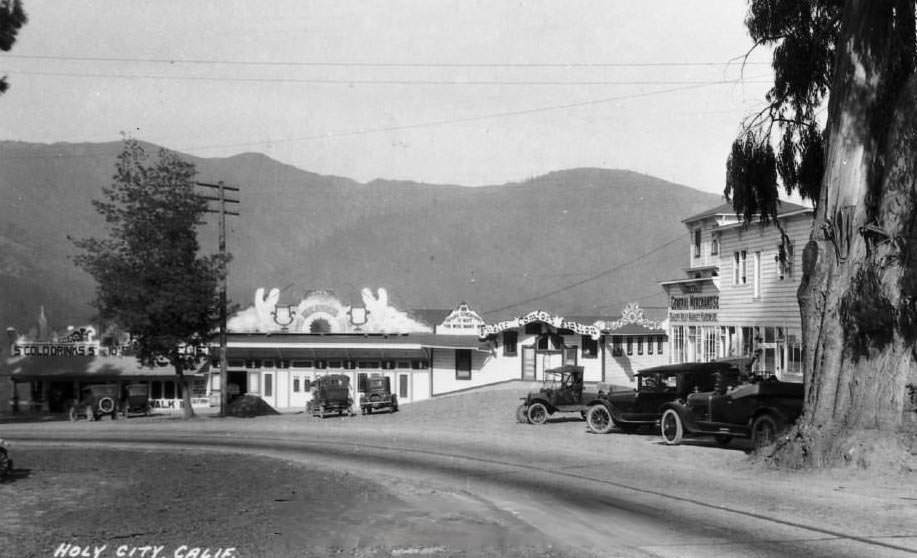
(739, 294)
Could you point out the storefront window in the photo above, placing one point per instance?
(590, 346)
(510, 341)
(463, 364)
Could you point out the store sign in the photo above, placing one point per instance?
(692, 316)
(47, 349)
(711, 302)
(541, 316)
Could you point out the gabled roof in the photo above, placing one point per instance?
(783, 208)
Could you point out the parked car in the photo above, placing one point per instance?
(760, 409)
(643, 406)
(378, 395)
(6, 464)
(136, 400)
(562, 392)
(95, 402)
(330, 394)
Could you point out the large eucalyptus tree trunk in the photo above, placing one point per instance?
(859, 284)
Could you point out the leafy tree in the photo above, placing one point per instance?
(858, 296)
(150, 279)
(12, 18)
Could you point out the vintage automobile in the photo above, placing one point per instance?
(6, 464)
(95, 402)
(330, 394)
(759, 409)
(643, 406)
(378, 395)
(562, 392)
(136, 400)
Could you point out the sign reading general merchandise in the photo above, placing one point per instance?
(710, 302)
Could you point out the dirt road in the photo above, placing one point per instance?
(457, 477)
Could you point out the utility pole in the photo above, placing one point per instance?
(223, 200)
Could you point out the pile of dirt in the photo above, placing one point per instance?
(249, 406)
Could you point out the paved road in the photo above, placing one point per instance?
(633, 508)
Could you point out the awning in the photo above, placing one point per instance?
(95, 367)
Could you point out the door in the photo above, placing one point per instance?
(546, 360)
(528, 363)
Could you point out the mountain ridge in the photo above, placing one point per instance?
(430, 245)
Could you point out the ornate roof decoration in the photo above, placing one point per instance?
(632, 314)
(541, 316)
(462, 318)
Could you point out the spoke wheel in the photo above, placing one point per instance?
(538, 413)
(764, 431)
(598, 418)
(672, 428)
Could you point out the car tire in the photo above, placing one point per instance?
(6, 465)
(537, 413)
(73, 414)
(671, 427)
(764, 431)
(599, 420)
(522, 415)
(106, 405)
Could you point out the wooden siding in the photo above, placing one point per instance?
(776, 304)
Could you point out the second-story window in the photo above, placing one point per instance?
(739, 268)
(696, 243)
(715, 244)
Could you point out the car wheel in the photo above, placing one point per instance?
(321, 411)
(89, 413)
(5, 464)
(522, 414)
(73, 413)
(538, 413)
(764, 431)
(722, 439)
(106, 405)
(672, 428)
(599, 420)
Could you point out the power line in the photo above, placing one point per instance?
(362, 64)
(320, 81)
(445, 122)
(591, 278)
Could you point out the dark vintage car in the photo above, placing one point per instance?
(759, 409)
(6, 464)
(136, 400)
(378, 395)
(644, 405)
(562, 392)
(96, 401)
(330, 394)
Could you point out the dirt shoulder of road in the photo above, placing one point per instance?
(482, 426)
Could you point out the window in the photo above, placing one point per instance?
(510, 341)
(616, 349)
(696, 243)
(296, 384)
(268, 385)
(463, 364)
(739, 268)
(335, 364)
(590, 346)
(301, 364)
(784, 259)
(419, 364)
(756, 275)
(649, 345)
(659, 345)
(533, 328)
(639, 345)
(715, 244)
(403, 386)
(630, 346)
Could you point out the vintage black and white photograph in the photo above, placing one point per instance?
(454, 278)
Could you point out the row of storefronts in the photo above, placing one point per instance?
(737, 298)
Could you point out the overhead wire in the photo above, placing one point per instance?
(589, 279)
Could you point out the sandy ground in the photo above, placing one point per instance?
(271, 507)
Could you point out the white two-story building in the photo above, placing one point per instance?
(738, 296)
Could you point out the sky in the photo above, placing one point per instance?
(460, 92)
